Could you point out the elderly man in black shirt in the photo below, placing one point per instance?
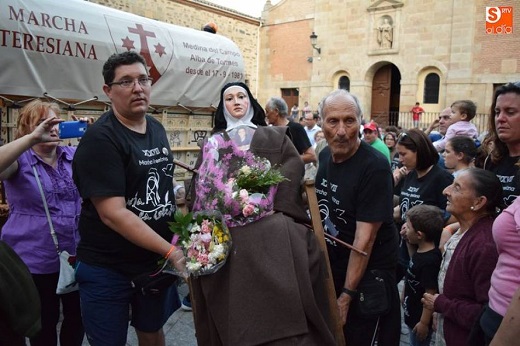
(276, 111)
(355, 191)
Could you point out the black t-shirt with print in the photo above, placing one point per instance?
(506, 171)
(421, 275)
(425, 190)
(114, 161)
(358, 189)
(299, 137)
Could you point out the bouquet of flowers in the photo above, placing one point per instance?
(239, 184)
(205, 240)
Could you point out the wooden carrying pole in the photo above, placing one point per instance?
(318, 230)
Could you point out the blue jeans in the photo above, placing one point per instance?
(415, 342)
(105, 300)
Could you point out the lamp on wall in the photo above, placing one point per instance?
(314, 44)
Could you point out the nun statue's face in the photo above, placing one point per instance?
(236, 101)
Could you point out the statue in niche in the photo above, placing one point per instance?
(385, 34)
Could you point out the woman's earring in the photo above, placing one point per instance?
(472, 208)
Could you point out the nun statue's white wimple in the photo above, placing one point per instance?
(233, 122)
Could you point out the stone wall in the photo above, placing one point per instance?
(443, 36)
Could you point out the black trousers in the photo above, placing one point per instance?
(7, 335)
(71, 332)
(386, 330)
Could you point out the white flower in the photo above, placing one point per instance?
(245, 170)
(218, 250)
(244, 195)
(195, 228)
(267, 164)
(193, 266)
(194, 238)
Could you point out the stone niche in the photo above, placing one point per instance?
(384, 27)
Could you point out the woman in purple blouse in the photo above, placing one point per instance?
(27, 230)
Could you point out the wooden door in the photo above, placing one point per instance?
(381, 87)
(291, 97)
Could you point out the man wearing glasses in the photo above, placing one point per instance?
(123, 168)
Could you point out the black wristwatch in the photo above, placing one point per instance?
(351, 293)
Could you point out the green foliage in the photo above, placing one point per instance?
(256, 179)
(182, 224)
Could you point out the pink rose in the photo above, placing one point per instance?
(205, 237)
(206, 226)
(248, 210)
(203, 259)
(192, 252)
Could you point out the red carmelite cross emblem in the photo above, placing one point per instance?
(152, 42)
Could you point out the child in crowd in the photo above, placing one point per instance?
(423, 226)
(462, 112)
(459, 154)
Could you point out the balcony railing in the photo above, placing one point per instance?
(404, 119)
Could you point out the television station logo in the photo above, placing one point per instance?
(499, 20)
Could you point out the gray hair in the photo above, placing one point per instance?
(323, 103)
(280, 104)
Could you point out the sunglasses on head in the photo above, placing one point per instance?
(404, 135)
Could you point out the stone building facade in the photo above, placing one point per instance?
(390, 53)
(240, 28)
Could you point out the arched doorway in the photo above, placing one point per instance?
(386, 90)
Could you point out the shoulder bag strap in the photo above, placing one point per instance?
(53, 233)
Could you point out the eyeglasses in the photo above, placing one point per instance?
(129, 83)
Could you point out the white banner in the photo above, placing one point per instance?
(59, 47)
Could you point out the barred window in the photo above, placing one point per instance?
(344, 83)
(431, 88)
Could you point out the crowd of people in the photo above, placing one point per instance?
(436, 209)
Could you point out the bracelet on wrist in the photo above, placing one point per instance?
(351, 293)
(169, 252)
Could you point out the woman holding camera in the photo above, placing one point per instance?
(27, 230)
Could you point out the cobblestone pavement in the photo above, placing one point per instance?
(180, 331)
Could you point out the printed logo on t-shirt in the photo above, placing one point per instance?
(322, 190)
(152, 206)
(407, 205)
(152, 154)
(509, 188)
(153, 200)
